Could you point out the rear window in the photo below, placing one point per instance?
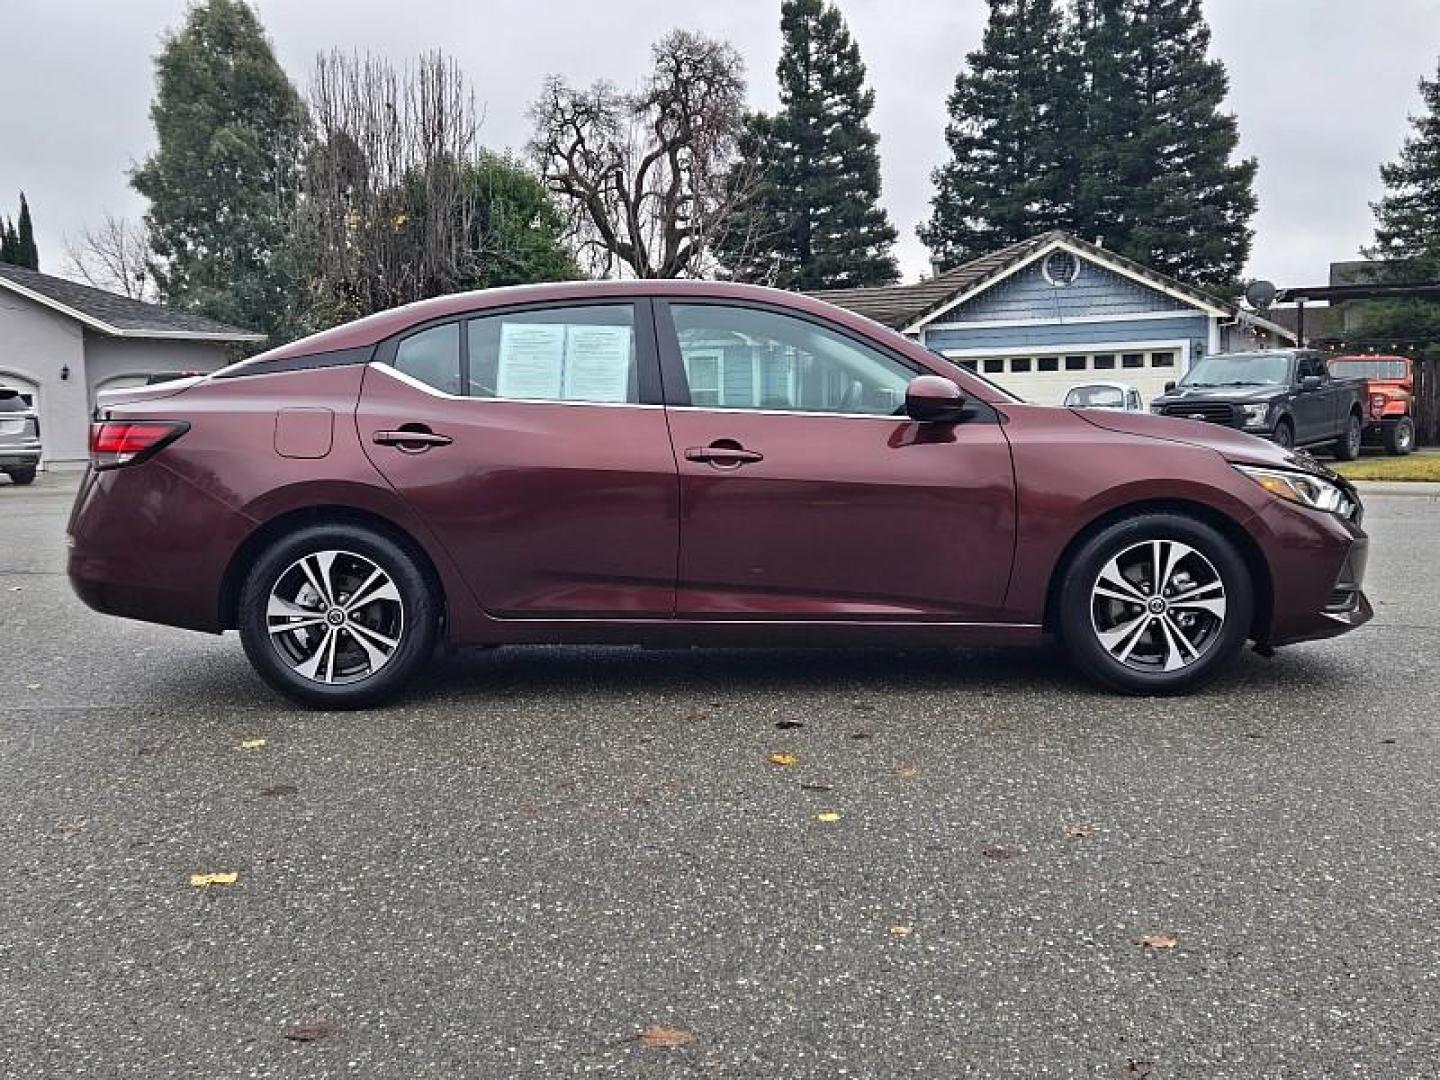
(1368, 369)
(12, 402)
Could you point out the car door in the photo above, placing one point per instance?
(534, 443)
(806, 493)
(1312, 408)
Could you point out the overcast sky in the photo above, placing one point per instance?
(1321, 87)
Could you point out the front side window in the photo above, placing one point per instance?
(747, 358)
(578, 354)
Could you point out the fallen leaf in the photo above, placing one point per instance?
(783, 760)
(252, 744)
(817, 787)
(204, 881)
(1079, 832)
(17, 588)
(827, 816)
(36, 686)
(68, 826)
(316, 1029)
(666, 1037)
(788, 725)
(1140, 1069)
(694, 716)
(1000, 851)
(861, 735)
(1158, 941)
(279, 791)
(531, 809)
(901, 931)
(905, 772)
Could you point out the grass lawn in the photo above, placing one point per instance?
(1413, 467)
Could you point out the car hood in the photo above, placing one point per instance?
(1219, 393)
(1230, 444)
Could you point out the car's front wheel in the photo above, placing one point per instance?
(338, 616)
(1155, 604)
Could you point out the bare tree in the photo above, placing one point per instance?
(115, 257)
(649, 178)
(385, 216)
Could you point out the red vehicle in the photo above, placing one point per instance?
(687, 463)
(1389, 397)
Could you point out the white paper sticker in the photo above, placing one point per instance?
(532, 359)
(597, 363)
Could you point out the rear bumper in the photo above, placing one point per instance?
(19, 457)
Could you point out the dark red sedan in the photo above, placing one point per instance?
(686, 463)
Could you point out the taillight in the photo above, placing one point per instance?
(127, 442)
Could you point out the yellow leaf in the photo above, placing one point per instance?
(901, 931)
(785, 760)
(827, 816)
(664, 1036)
(252, 744)
(1078, 832)
(905, 772)
(202, 881)
(1158, 941)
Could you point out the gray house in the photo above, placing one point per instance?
(61, 343)
(1054, 311)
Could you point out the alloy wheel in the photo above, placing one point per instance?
(1158, 606)
(335, 617)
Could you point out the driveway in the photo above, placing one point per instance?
(543, 852)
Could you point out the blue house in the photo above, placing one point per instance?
(1052, 312)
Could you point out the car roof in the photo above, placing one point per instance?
(372, 329)
(1121, 386)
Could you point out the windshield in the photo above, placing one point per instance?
(1096, 397)
(1240, 369)
(12, 402)
(1368, 369)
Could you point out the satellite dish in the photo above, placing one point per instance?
(1260, 294)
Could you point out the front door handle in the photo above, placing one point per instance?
(412, 441)
(722, 456)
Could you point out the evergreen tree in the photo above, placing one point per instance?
(1158, 181)
(517, 231)
(1408, 215)
(9, 244)
(26, 254)
(1012, 132)
(230, 130)
(815, 221)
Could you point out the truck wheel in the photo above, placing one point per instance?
(1400, 437)
(1284, 436)
(21, 477)
(1347, 447)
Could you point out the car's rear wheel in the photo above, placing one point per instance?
(1400, 436)
(1347, 447)
(338, 616)
(21, 477)
(1155, 604)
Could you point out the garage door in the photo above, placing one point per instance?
(1045, 378)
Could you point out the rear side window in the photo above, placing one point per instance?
(574, 354)
(11, 403)
(433, 357)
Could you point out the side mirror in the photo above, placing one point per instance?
(933, 398)
(1170, 386)
(1311, 382)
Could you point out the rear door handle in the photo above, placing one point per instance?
(723, 456)
(412, 441)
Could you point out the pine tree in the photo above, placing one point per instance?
(1408, 215)
(9, 244)
(1013, 126)
(1158, 182)
(26, 253)
(230, 130)
(815, 221)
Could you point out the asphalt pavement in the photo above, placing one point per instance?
(542, 853)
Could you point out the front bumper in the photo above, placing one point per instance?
(1317, 565)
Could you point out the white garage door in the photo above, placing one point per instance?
(1045, 377)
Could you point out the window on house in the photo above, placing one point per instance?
(1133, 360)
(1049, 363)
(1075, 363)
(1020, 364)
(994, 366)
(1105, 362)
(1162, 359)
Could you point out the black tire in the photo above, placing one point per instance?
(1284, 436)
(21, 477)
(417, 606)
(1219, 636)
(1347, 447)
(1399, 437)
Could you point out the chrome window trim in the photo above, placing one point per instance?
(417, 384)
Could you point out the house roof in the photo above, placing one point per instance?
(907, 307)
(110, 313)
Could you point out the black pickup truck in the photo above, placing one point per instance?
(1286, 395)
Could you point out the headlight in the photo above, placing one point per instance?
(1313, 491)
(1255, 414)
(1156, 408)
